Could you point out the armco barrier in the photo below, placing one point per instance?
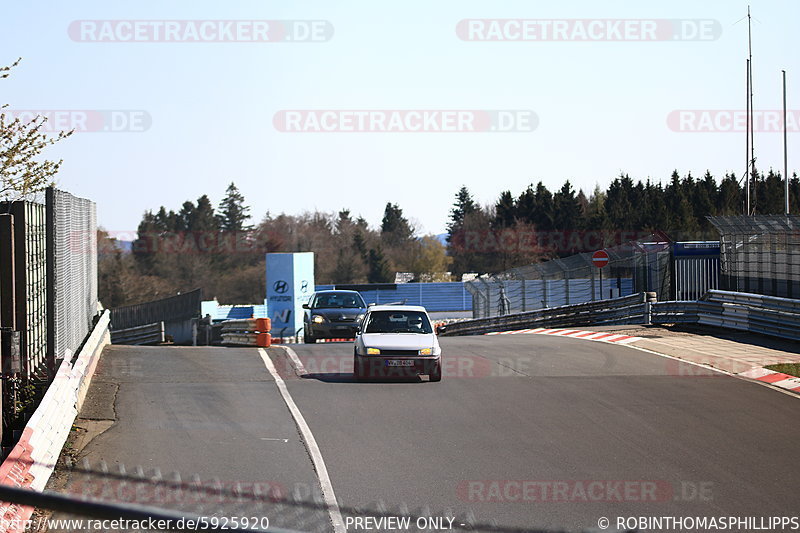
(32, 460)
(140, 335)
(631, 309)
(767, 315)
(248, 332)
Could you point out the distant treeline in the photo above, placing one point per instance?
(539, 224)
(219, 251)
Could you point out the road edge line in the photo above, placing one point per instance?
(311, 445)
(298, 365)
(788, 392)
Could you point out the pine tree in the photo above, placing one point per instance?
(619, 204)
(233, 213)
(681, 222)
(203, 217)
(463, 206)
(377, 268)
(567, 209)
(395, 228)
(505, 211)
(729, 199)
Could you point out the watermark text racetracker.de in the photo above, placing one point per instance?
(731, 121)
(200, 31)
(589, 30)
(405, 121)
(576, 491)
(85, 120)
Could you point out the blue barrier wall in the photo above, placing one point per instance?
(232, 312)
(443, 296)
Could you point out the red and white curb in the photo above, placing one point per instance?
(32, 460)
(291, 340)
(785, 381)
(599, 336)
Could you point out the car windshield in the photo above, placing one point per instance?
(398, 322)
(338, 300)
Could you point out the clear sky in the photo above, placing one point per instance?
(602, 106)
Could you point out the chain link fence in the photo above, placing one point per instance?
(760, 254)
(48, 296)
(632, 268)
(72, 277)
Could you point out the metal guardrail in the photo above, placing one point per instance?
(767, 315)
(174, 308)
(631, 309)
(247, 332)
(140, 335)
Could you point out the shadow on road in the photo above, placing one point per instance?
(350, 378)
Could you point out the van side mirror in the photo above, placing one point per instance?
(305, 306)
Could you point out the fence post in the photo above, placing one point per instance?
(50, 277)
(7, 280)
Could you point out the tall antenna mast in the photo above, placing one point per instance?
(785, 153)
(747, 142)
(751, 133)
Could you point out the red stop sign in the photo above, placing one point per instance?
(600, 258)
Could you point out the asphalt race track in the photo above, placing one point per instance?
(525, 431)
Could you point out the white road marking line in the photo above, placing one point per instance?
(627, 341)
(788, 383)
(311, 444)
(298, 365)
(756, 373)
(269, 438)
(701, 365)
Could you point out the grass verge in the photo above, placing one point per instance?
(793, 369)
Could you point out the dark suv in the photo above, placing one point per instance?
(333, 315)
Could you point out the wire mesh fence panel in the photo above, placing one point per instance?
(73, 269)
(570, 280)
(760, 254)
(29, 297)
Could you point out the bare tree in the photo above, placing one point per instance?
(21, 172)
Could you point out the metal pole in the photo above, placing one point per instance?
(747, 144)
(785, 152)
(752, 114)
(600, 270)
(50, 279)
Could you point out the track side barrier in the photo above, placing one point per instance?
(767, 315)
(139, 335)
(247, 332)
(633, 309)
(31, 462)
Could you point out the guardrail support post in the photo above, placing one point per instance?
(648, 313)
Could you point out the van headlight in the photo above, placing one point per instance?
(318, 319)
(426, 351)
(373, 351)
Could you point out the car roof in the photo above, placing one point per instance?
(398, 308)
(337, 291)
